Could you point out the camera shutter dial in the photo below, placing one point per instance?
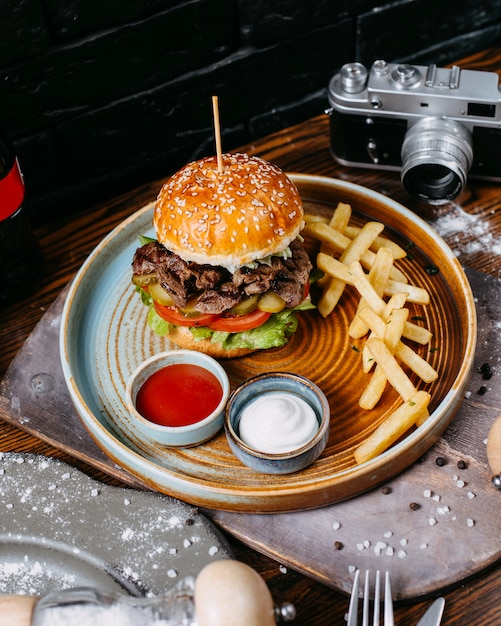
(405, 76)
(353, 77)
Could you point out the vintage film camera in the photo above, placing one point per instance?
(434, 125)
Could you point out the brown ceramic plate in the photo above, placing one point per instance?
(104, 336)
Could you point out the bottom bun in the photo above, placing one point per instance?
(183, 338)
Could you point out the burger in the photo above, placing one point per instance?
(227, 271)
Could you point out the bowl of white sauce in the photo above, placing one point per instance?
(277, 423)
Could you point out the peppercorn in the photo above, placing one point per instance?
(486, 371)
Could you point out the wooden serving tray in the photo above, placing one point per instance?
(433, 526)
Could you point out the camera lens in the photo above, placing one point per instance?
(436, 156)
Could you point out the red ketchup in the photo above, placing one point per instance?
(179, 395)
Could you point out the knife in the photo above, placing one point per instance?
(433, 615)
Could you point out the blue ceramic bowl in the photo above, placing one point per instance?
(177, 436)
(282, 462)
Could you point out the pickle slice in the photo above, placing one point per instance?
(144, 279)
(160, 295)
(245, 306)
(190, 309)
(271, 302)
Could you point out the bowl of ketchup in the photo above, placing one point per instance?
(177, 398)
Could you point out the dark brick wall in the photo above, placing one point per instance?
(103, 95)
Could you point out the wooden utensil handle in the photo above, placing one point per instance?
(16, 610)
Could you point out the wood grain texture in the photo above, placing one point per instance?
(304, 148)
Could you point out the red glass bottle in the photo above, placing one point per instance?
(21, 262)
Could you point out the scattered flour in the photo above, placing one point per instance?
(453, 225)
(117, 615)
(60, 529)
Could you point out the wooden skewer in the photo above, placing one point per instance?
(217, 132)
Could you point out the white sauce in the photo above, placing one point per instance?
(277, 422)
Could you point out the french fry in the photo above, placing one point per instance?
(309, 218)
(416, 363)
(416, 333)
(334, 268)
(392, 333)
(417, 295)
(377, 324)
(339, 243)
(396, 376)
(323, 232)
(379, 242)
(341, 217)
(378, 277)
(334, 288)
(332, 292)
(339, 221)
(405, 353)
(393, 427)
(374, 390)
(360, 280)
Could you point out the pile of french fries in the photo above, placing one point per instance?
(363, 259)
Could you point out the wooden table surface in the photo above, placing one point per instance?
(303, 148)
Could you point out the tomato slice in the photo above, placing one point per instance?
(238, 323)
(306, 291)
(172, 315)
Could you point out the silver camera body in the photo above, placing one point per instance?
(434, 125)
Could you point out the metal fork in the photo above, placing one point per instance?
(388, 603)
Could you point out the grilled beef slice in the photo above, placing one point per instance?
(218, 290)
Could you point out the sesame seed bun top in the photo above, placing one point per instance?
(249, 211)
